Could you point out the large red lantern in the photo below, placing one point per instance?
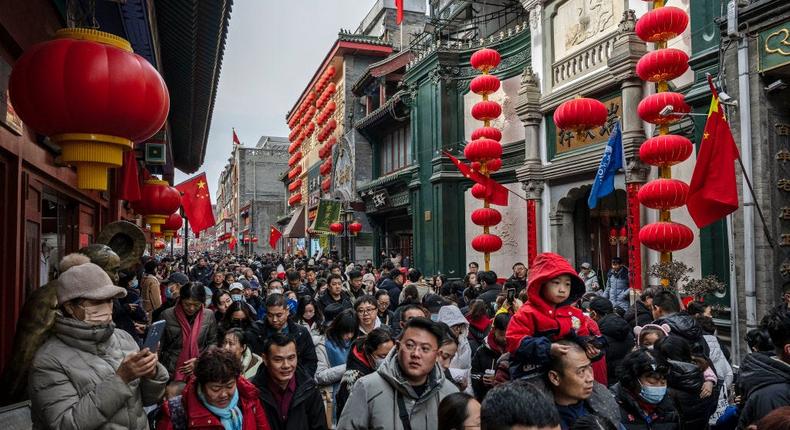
(172, 225)
(326, 167)
(482, 149)
(484, 85)
(492, 133)
(295, 185)
(580, 114)
(354, 228)
(158, 202)
(661, 24)
(486, 217)
(485, 59)
(336, 227)
(91, 95)
(666, 236)
(664, 194)
(294, 146)
(479, 191)
(159, 245)
(662, 65)
(326, 184)
(494, 164)
(296, 198)
(295, 172)
(486, 243)
(486, 110)
(651, 107)
(666, 150)
(295, 158)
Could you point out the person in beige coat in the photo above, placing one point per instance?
(150, 289)
(89, 375)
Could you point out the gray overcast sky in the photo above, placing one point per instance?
(273, 49)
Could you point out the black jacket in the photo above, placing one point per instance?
(484, 358)
(765, 385)
(202, 274)
(521, 282)
(305, 349)
(620, 337)
(307, 406)
(633, 417)
(324, 300)
(489, 296)
(684, 325)
(357, 366)
(685, 383)
(641, 312)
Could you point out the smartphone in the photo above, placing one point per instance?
(154, 335)
(511, 295)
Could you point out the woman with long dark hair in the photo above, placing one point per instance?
(238, 315)
(367, 353)
(332, 352)
(235, 341)
(310, 316)
(189, 329)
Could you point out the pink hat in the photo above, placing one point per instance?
(663, 328)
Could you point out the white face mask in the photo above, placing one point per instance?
(97, 314)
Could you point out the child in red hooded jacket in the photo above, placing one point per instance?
(547, 316)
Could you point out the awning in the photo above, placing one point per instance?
(295, 227)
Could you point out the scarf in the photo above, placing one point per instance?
(229, 415)
(491, 341)
(481, 324)
(338, 354)
(189, 338)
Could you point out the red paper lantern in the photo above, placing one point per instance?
(650, 107)
(91, 95)
(485, 59)
(326, 167)
(486, 217)
(158, 202)
(664, 194)
(355, 227)
(331, 142)
(662, 65)
(479, 191)
(294, 146)
(159, 245)
(661, 24)
(494, 165)
(484, 85)
(483, 149)
(336, 227)
(487, 243)
(666, 236)
(295, 158)
(623, 234)
(330, 71)
(325, 184)
(486, 110)
(174, 222)
(580, 114)
(475, 165)
(492, 133)
(295, 172)
(666, 150)
(295, 185)
(296, 198)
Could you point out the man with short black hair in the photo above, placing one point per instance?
(404, 393)
(766, 379)
(489, 287)
(473, 267)
(202, 272)
(618, 334)
(289, 394)
(294, 281)
(666, 310)
(278, 320)
(642, 310)
(414, 277)
(518, 405)
(311, 282)
(575, 391)
(519, 276)
(355, 287)
(617, 288)
(335, 294)
(393, 286)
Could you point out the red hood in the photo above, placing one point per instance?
(360, 355)
(481, 324)
(546, 267)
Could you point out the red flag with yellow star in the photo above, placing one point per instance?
(713, 193)
(274, 236)
(196, 201)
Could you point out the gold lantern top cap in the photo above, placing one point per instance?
(94, 35)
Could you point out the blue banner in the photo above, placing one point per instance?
(611, 162)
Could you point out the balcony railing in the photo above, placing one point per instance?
(582, 62)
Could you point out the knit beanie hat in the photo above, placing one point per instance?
(665, 328)
(86, 281)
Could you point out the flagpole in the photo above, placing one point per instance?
(756, 204)
(186, 242)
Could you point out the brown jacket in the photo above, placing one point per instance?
(151, 295)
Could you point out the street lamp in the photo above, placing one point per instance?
(347, 217)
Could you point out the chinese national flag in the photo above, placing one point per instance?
(497, 193)
(236, 140)
(399, 16)
(274, 236)
(196, 201)
(232, 243)
(129, 184)
(713, 193)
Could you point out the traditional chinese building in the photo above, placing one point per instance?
(41, 201)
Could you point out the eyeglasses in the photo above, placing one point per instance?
(366, 311)
(413, 346)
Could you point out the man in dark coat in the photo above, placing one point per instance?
(619, 335)
(392, 285)
(519, 276)
(641, 311)
(289, 395)
(765, 379)
(490, 289)
(278, 321)
(666, 310)
(202, 272)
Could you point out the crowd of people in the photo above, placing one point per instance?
(291, 342)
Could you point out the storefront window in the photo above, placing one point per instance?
(395, 152)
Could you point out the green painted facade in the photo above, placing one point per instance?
(438, 83)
